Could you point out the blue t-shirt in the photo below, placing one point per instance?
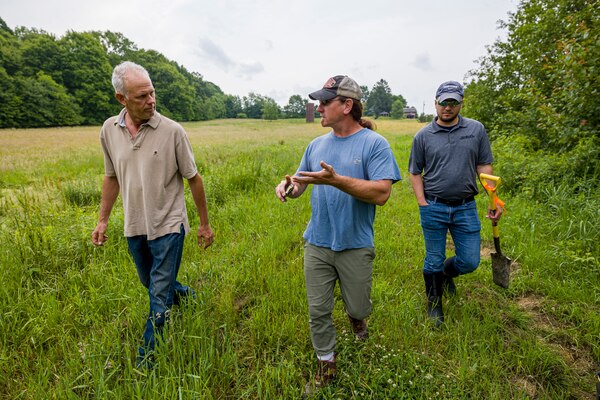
(339, 221)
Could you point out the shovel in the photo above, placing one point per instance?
(500, 263)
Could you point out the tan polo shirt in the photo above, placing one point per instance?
(150, 170)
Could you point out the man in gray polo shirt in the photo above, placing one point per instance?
(446, 158)
(146, 157)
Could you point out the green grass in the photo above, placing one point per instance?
(72, 314)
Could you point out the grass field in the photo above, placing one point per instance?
(72, 314)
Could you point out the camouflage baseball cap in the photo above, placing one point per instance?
(339, 85)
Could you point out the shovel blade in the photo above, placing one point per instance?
(501, 270)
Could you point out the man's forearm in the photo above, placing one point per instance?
(110, 192)
(416, 182)
(374, 192)
(199, 196)
(485, 169)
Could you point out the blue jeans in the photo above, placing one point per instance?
(157, 262)
(464, 226)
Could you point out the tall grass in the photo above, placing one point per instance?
(73, 314)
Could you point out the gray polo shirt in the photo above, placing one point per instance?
(150, 170)
(448, 158)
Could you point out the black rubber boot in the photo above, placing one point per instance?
(433, 289)
(449, 272)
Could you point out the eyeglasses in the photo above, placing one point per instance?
(451, 103)
(327, 102)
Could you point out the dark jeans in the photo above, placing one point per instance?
(157, 262)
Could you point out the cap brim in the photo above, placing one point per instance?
(446, 96)
(323, 94)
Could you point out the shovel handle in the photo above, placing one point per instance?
(490, 177)
(490, 191)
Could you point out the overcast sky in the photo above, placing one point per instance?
(279, 48)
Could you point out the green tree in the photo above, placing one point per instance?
(203, 91)
(4, 27)
(11, 102)
(175, 97)
(253, 105)
(215, 107)
(87, 76)
(537, 94)
(398, 107)
(296, 107)
(399, 97)
(45, 103)
(10, 51)
(117, 46)
(42, 52)
(233, 106)
(365, 93)
(271, 110)
(425, 117)
(380, 98)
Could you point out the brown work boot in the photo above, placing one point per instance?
(359, 327)
(324, 375)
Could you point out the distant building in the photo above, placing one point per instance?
(384, 114)
(310, 112)
(410, 112)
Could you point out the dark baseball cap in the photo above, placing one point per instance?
(339, 85)
(449, 90)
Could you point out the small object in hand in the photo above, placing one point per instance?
(289, 189)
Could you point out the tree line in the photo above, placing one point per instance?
(45, 81)
(537, 94)
(48, 81)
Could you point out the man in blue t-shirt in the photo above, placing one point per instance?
(352, 170)
(446, 158)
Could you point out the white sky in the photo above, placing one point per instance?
(279, 48)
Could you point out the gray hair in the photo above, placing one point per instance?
(119, 72)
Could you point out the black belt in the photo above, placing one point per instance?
(451, 203)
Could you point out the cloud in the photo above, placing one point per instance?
(250, 68)
(215, 54)
(423, 62)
